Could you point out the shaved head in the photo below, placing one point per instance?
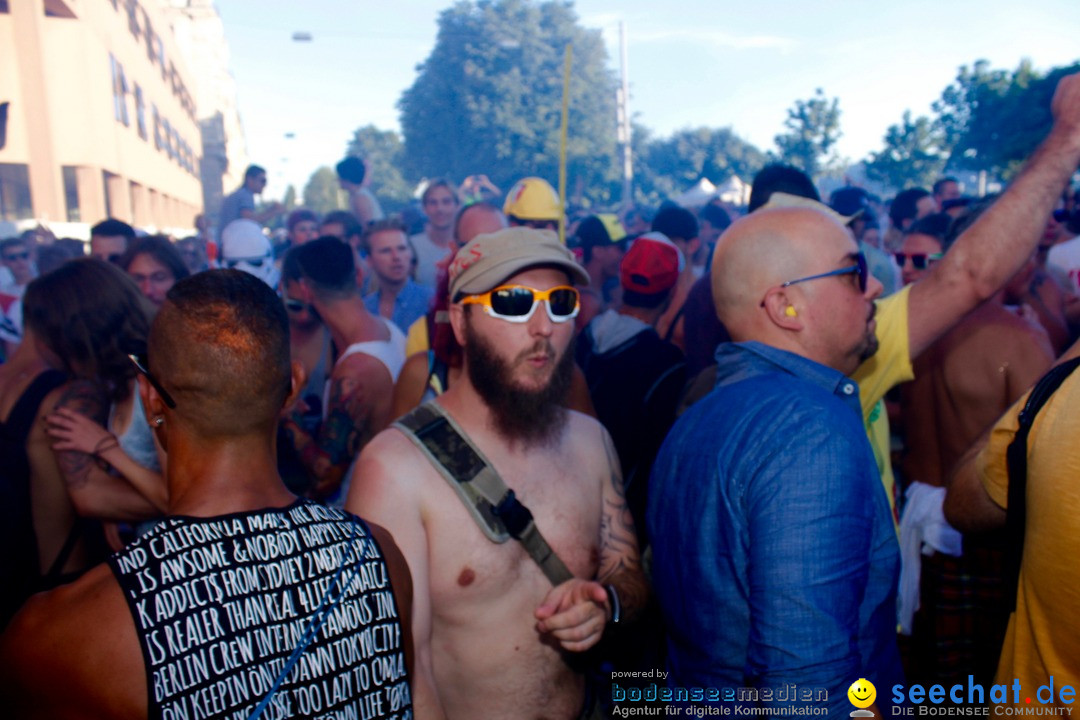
(764, 250)
(220, 346)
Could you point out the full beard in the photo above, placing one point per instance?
(534, 418)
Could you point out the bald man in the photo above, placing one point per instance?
(199, 617)
(775, 561)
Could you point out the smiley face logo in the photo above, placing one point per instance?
(862, 693)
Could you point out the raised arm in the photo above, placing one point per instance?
(998, 243)
(383, 489)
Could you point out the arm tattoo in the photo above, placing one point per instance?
(346, 428)
(620, 562)
(89, 399)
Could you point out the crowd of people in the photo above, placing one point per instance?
(442, 464)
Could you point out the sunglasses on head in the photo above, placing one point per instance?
(859, 268)
(920, 260)
(517, 303)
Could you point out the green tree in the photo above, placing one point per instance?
(383, 154)
(993, 119)
(323, 194)
(813, 128)
(289, 199)
(668, 166)
(913, 155)
(489, 98)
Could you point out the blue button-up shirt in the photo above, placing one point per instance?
(775, 559)
(409, 305)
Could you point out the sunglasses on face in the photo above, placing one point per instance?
(141, 365)
(254, 262)
(296, 306)
(859, 268)
(517, 303)
(1061, 215)
(921, 261)
(17, 256)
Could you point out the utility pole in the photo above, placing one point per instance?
(622, 131)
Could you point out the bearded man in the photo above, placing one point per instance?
(492, 634)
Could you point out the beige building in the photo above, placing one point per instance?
(97, 117)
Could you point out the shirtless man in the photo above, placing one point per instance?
(371, 353)
(202, 613)
(490, 630)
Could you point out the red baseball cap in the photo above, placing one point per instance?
(651, 265)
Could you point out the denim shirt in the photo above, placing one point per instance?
(774, 555)
(410, 304)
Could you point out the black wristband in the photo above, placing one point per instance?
(613, 600)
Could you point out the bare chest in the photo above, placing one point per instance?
(468, 568)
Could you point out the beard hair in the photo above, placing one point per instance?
(534, 418)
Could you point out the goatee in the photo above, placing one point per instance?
(533, 417)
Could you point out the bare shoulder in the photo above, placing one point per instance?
(586, 436)
(389, 468)
(73, 652)
(363, 368)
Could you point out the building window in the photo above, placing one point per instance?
(71, 192)
(140, 111)
(167, 138)
(120, 90)
(161, 57)
(4, 9)
(133, 17)
(151, 48)
(15, 200)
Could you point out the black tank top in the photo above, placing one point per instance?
(220, 604)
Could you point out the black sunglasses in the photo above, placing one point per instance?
(17, 256)
(140, 365)
(921, 261)
(1061, 215)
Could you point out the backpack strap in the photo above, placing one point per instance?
(1016, 461)
(494, 507)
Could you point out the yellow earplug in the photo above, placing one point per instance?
(790, 311)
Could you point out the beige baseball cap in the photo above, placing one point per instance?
(489, 259)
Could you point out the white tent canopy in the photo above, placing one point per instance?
(732, 190)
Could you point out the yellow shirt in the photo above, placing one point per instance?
(417, 338)
(1043, 638)
(890, 366)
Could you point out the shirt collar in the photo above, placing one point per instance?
(740, 361)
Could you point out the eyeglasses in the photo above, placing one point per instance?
(517, 303)
(859, 268)
(140, 365)
(17, 256)
(920, 260)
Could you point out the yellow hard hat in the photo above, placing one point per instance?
(532, 198)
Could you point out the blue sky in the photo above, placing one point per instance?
(710, 63)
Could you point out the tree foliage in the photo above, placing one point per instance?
(914, 154)
(489, 98)
(993, 119)
(668, 166)
(322, 193)
(813, 128)
(383, 153)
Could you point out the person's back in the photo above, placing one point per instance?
(201, 615)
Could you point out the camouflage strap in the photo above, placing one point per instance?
(494, 506)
